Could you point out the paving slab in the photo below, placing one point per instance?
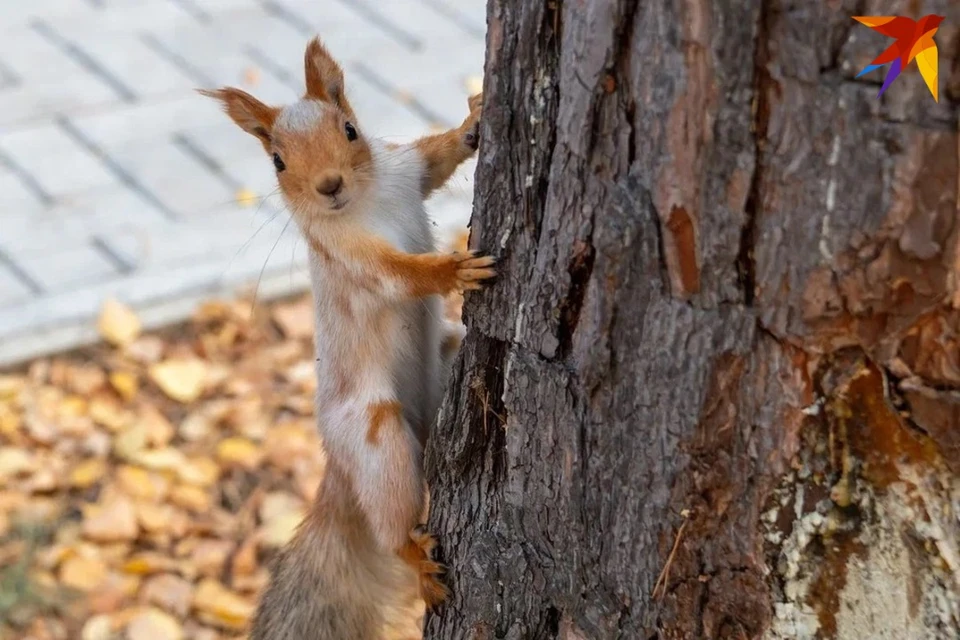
(118, 180)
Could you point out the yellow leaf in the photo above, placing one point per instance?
(88, 473)
(221, 606)
(14, 462)
(83, 573)
(190, 498)
(148, 562)
(125, 384)
(251, 76)
(182, 380)
(245, 197)
(202, 472)
(113, 520)
(160, 459)
(118, 324)
(97, 628)
(238, 452)
(279, 531)
(140, 484)
(153, 624)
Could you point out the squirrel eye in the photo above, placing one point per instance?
(278, 163)
(351, 132)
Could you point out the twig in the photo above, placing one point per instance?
(664, 577)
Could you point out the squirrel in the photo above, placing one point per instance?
(377, 282)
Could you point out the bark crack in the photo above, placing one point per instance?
(763, 83)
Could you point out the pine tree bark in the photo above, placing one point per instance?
(715, 392)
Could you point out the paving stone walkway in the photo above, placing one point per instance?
(116, 179)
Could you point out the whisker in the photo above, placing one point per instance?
(256, 290)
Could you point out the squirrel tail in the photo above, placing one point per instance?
(332, 582)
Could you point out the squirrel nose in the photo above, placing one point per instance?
(330, 184)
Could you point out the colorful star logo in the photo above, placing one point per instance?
(914, 40)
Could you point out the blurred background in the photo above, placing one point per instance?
(157, 440)
(117, 180)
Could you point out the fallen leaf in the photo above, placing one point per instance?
(169, 592)
(239, 452)
(278, 531)
(126, 384)
(251, 76)
(295, 319)
(88, 473)
(209, 556)
(245, 559)
(141, 484)
(149, 562)
(168, 459)
(245, 197)
(182, 380)
(191, 498)
(98, 627)
(154, 624)
(113, 520)
(83, 573)
(118, 324)
(220, 606)
(201, 472)
(14, 462)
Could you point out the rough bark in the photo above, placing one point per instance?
(715, 392)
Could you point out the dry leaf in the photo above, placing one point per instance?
(295, 320)
(88, 473)
(113, 520)
(83, 573)
(245, 197)
(169, 592)
(202, 472)
(251, 76)
(125, 384)
(220, 606)
(98, 627)
(154, 624)
(142, 484)
(182, 380)
(14, 462)
(118, 324)
(209, 556)
(239, 452)
(191, 498)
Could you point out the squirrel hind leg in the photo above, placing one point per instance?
(418, 553)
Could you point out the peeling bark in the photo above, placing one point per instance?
(722, 356)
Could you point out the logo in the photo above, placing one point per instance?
(914, 40)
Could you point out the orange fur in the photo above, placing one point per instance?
(382, 413)
(418, 553)
(250, 114)
(444, 152)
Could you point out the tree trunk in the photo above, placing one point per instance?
(715, 392)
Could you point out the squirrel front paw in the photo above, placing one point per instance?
(420, 556)
(471, 126)
(472, 270)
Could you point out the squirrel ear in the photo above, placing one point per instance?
(324, 76)
(250, 114)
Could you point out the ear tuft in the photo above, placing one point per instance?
(324, 76)
(250, 114)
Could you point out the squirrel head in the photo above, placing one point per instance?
(322, 160)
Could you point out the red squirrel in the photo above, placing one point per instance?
(377, 283)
